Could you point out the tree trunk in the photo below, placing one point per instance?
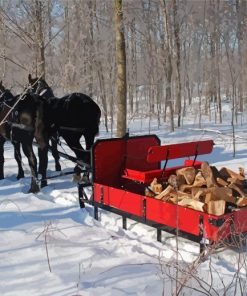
(240, 8)
(40, 39)
(217, 36)
(168, 65)
(121, 69)
(178, 105)
(3, 47)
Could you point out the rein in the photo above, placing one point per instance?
(72, 129)
(11, 108)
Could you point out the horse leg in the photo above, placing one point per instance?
(54, 151)
(43, 162)
(32, 161)
(73, 141)
(89, 139)
(74, 144)
(2, 140)
(17, 153)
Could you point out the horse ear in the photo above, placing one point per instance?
(1, 85)
(30, 78)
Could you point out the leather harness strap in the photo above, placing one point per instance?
(72, 129)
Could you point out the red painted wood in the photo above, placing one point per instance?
(112, 156)
(172, 151)
(148, 176)
(120, 199)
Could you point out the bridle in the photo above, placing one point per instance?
(21, 97)
(11, 108)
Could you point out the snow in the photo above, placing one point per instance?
(51, 247)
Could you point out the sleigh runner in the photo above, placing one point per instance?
(127, 172)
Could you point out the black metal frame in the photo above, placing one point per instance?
(159, 227)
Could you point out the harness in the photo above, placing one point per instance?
(43, 92)
(72, 129)
(22, 127)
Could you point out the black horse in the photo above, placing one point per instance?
(21, 126)
(41, 88)
(71, 117)
(6, 127)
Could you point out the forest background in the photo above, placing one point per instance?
(144, 58)
(160, 61)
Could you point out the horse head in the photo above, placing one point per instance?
(39, 86)
(6, 97)
(7, 100)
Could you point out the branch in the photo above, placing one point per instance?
(12, 61)
(54, 36)
(17, 27)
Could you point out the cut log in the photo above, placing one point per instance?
(237, 189)
(173, 181)
(199, 180)
(192, 204)
(189, 174)
(180, 180)
(155, 188)
(188, 188)
(242, 202)
(165, 193)
(241, 171)
(227, 173)
(198, 193)
(177, 196)
(176, 181)
(215, 207)
(219, 193)
(215, 172)
(208, 174)
(240, 183)
(222, 182)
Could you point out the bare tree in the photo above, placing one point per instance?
(168, 63)
(178, 102)
(121, 69)
(39, 38)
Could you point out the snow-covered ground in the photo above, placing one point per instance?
(51, 247)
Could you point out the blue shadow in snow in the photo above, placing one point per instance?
(10, 219)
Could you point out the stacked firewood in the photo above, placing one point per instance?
(206, 189)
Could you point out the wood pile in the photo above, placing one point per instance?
(206, 189)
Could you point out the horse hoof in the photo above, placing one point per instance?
(76, 178)
(34, 189)
(58, 167)
(77, 170)
(20, 176)
(43, 183)
(85, 179)
(1, 177)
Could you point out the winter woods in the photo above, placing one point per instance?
(175, 51)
